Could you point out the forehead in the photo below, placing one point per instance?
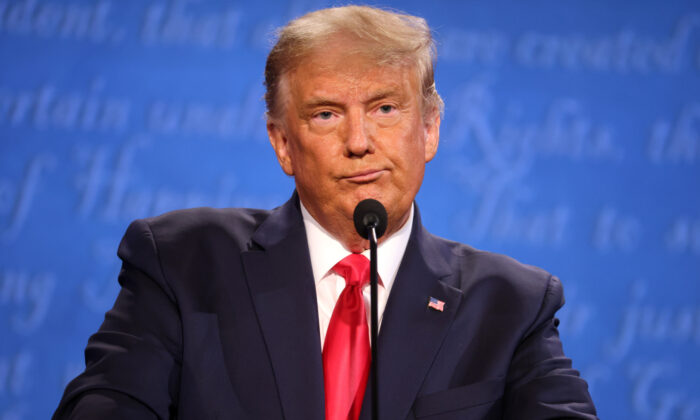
(343, 65)
(356, 76)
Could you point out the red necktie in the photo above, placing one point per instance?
(346, 354)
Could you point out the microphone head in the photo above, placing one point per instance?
(370, 212)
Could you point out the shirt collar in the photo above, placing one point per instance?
(326, 251)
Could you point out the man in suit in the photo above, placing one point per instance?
(238, 313)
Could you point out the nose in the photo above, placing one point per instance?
(359, 134)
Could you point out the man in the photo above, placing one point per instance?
(242, 313)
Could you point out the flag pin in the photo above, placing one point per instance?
(436, 304)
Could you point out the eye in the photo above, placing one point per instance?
(324, 118)
(386, 110)
(324, 115)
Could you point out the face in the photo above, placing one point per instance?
(353, 130)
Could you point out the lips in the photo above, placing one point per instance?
(365, 176)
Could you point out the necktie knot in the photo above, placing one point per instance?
(354, 269)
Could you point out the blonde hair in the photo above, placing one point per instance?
(391, 38)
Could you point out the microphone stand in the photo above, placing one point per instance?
(374, 322)
(370, 220)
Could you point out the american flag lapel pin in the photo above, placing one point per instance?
(436, 304)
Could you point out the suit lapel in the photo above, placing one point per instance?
(284, 296)
(411, 332)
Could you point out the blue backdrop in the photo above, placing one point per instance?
(571, 140)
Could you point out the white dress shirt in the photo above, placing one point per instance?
(326, 251)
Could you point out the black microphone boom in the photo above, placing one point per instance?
(370, 222)
(370, 213)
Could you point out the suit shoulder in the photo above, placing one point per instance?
(505, 282)
(478, 267)
(205, 217)
(488, 263)
(190, 224)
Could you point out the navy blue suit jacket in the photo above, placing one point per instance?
(217, 318)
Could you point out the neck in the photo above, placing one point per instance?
(343, 229)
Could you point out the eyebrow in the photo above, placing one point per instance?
(385, 93)
(321, 101)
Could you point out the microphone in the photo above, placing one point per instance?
(370, 213)
(370, 222)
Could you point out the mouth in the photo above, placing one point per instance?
(363, 177)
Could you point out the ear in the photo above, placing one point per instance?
(432, 135)
(280, 142)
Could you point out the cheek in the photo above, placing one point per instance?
(309, 161)
(411, 160)
(411, 149)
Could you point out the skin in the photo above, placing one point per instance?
(350, 130)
